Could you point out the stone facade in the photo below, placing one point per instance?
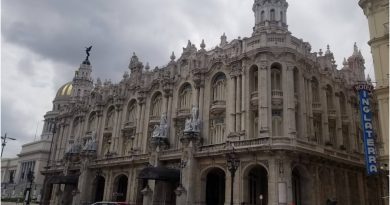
(287, 114)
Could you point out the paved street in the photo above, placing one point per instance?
(14, 203)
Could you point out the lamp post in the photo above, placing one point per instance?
(232, 164)
(30, 178)
(4, 142)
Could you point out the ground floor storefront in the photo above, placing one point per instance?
(275, 178)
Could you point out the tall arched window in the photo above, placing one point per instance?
(281, 16)
(110, 118)
(315, 90)
(277, 124)
(219, 87)
(156, 104)
(272, 14)
(132, 112)
(75, 127)
(276, 74)
(92, 122)
(343, 106)
(262, 16)
(329, 97)
(185, 97)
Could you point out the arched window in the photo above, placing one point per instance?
(329, 97)
(219, 88)
(343, 106)
(281, 16)
(110, 117)
(277, 124)
(315, 90)
(272, 14)
(92, 122)
(262, 16)
(185, 97)
(132, 112)
(156, 110)
(254, 81)
(276, 78)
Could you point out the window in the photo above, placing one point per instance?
(185, 97)
(277, 125)
(92, 122)
(132, 112)
(219, 87)
(262, 16)
(110, 117)
(272, 14)
(156, 106)
(275, 79)
(329, 97)
(315, 90)
(317, 123)
(281, 16)
(217, 129)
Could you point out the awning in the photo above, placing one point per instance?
(70, 179)
(160, 173)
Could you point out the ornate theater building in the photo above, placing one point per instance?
(257, 120)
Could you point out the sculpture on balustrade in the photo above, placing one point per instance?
(192, 124)
(161, 131)
(90, 144)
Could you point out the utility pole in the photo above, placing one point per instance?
(4, 142)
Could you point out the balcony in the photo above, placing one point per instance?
(129, 125)
(316, 106)
(218, 106)
(183, 112)
(331, 112)
(255, 98)
(154, 118)
(277, 97)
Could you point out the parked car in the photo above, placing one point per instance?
(110, 203)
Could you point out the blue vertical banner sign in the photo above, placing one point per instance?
(368, 133)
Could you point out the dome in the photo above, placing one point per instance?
(65, 91)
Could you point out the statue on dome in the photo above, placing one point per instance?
(87, 50)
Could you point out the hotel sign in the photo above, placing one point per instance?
(368, 135)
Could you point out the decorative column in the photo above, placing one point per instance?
(231, 105)
(263, 96)
(309, 109)
(302, 115)
(288, 101)
(347, 188)
(325, 124)
(272, 183)
(339, 129)
(283, 180)
(238, 103)
(141, 120)
(244, 98)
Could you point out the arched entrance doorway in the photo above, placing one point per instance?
(215, 187)
(301, 184)
(99, 184)
(256, 185)
(120, 188)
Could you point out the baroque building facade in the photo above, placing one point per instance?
(287, 114)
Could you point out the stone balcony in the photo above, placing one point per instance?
(277, 97)
(254, 98)
(218, 106)
(129, 125)
(332, 113)
(316, 106)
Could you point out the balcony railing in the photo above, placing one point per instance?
(316, 106)
(218, 106)
(255, 98)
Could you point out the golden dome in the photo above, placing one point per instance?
(65, 90)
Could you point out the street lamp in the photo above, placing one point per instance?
(232, 164)
(30, 178)
(261, 199)
(4, 142)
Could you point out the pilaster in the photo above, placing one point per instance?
(264, 101)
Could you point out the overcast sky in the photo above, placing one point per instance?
(43, 42)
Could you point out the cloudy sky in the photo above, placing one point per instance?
(43, 42)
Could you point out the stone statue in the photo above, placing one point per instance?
(87, 50)
(90, 145)
(192, 124)
(161, 131)
(156, 131)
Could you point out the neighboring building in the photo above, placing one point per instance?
(162, 136)
(377, 12)
(33, 157)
